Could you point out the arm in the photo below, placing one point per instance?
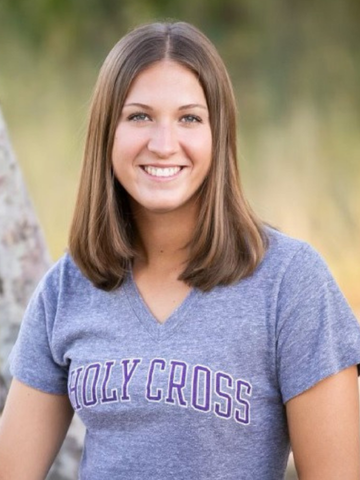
(32, 429)
(324, 429)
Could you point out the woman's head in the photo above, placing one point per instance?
(146, 45)
(102, 225)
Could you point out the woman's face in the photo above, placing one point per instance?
(163, 145)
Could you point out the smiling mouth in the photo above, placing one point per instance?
(161, 171)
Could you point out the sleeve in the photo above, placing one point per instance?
(31, 359)
(317, 334)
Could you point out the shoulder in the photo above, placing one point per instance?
(62, 289)
(290, 268)
(282, 246)
(64, 276)
(291, 256)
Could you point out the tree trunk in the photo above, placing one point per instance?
(23, 261)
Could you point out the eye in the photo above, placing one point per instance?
(139, 117)
(191, 119)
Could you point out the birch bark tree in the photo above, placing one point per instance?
(24, 259)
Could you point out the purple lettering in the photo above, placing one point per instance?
(177, 385)
(95, 367)
(226, 413)
(205, 373)
(73, 388)
(113, 397)
(241, 386)
(128, 376)
(156, 397)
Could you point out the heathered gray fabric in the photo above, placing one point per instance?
(202, 395)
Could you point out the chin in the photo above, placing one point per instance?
(162, 209)
(164, 206)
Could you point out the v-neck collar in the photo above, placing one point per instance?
(158, 330)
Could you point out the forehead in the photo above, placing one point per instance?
(166, 78)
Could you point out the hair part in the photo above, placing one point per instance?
(230, 242)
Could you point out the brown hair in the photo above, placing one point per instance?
(230, 241)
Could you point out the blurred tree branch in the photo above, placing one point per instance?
(24, 259)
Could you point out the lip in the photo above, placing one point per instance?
(161, 165)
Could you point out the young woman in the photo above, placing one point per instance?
(193, 341)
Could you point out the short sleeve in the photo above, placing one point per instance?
(317, 333)
(31, 359)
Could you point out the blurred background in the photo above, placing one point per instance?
(296, 72)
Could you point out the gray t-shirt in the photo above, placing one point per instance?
(201, 396)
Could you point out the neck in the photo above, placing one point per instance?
(162, 238)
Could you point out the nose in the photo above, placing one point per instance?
(163, 141)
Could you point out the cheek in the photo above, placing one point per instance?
(118, 160)
(204, 149)
(127, 146)
(199, 148)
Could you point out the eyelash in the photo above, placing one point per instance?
(194, 118)
(142, 117)
(135, 117)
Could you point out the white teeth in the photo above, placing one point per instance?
(162, 172)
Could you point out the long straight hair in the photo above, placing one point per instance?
(229, 242)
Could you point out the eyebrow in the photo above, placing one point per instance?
(193, 105)
(183, 107)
